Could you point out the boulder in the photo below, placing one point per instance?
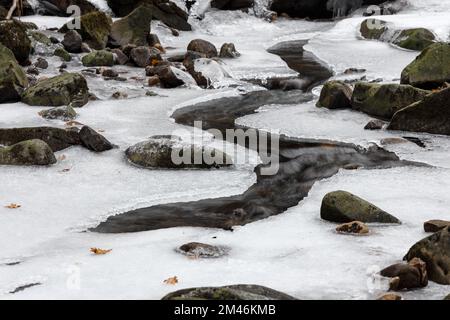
(373, 28)
(29, 152)
(72, 42)
(95, 28)
(435, 251)
(414, 39)
(383, 100)
(94, 141)
(144, 56)
(13, 35)
(171, 152)
(63, 54)
(64, 113)
(435, 225)
(228, 50)
(13, 79)
(119, 56)
(171, 77)
(41, 63)
(409, 275)
(203, 47)
(134, 28)
(59, 7)
(342, 206)
(98, 59)
(233, 292)
(353, 227)
(65, 89)
(375, 125)
(430, 115)
(232, 4)
(201, 250)
(430, 69)
(40, 37)
(334, 95)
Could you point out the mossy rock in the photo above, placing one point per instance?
(63, 54)
(384, 100)
(414, 39)
(95, 29)
(334, 95)
(430, 115)
(64, 113)
(342, 207)
(373, 28)
(29, 152)
(430, 69)
(98, 58)
(134, 28)
(65, 89)
(40, 37)
(13, 79)
(233, 292)
(13, 35)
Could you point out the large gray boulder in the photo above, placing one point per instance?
(134, 28)
(13, 79)
(29, 152)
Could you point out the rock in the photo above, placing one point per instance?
(134, 28)
(13, 79)
(93, 140)
(54, 40)
(171, 77)
(144, 56)
(118, 95)
(110, 73)
(390, 297)
(232, 4)
(63, 54)
(13, 35)
(392, 141)
(447, 297)
(373, 28)
(64, 113)
(407, 276)
(29, 152)
(383, 100)
(65, 89)
(95, 29)
(33, 70)
(228, 50)
(207, 72)
(375, 125)
(234, 292)
(353, 227)
(153, 81)
(430, 69)
(334, 95)
(435, 225)
(171, 152)
(429, 115)
(201, 250)
(40, 37)
(85, 48)
(153, 39)
(342, 206)
(41, 63)
(59, 7)
(98, 58)
(165, 11)
(72, 41)
(119, 56)
(435, 251)
(414, 39)
(203, 47)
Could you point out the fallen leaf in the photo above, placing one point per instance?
(62, 157)
(13, 206)
(99, 251)
(171, 281)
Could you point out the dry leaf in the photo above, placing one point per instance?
(171, 281)
(62, 157)
(100, 251)
(13, 206)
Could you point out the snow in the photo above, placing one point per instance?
(299, 254)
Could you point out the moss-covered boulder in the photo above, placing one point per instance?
(64, 113)
(414, 39)
(63, 54)
(98, 58)
(13, 79)
(40, 37)
(13, 35)
(373, 28)
(431, 115)
(233, 292)
(435, 251)
(95, 28)
(29, 152)
(134, 28)
(430, 69)
(334, 95)
(383, 100)
(342, 206)
(65, 89)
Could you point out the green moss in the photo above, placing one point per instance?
(40, 37)
(29, 152)
(12, 77)
(335, 94)
(63, 54)
(13, 36)
(373, 28)
(98, 58)
(415, 39)
(134, 28)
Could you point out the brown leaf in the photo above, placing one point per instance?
(62, 157)
(13, 206)
(99, 251)
(171, 281)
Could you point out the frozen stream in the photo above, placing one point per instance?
(295, 252)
